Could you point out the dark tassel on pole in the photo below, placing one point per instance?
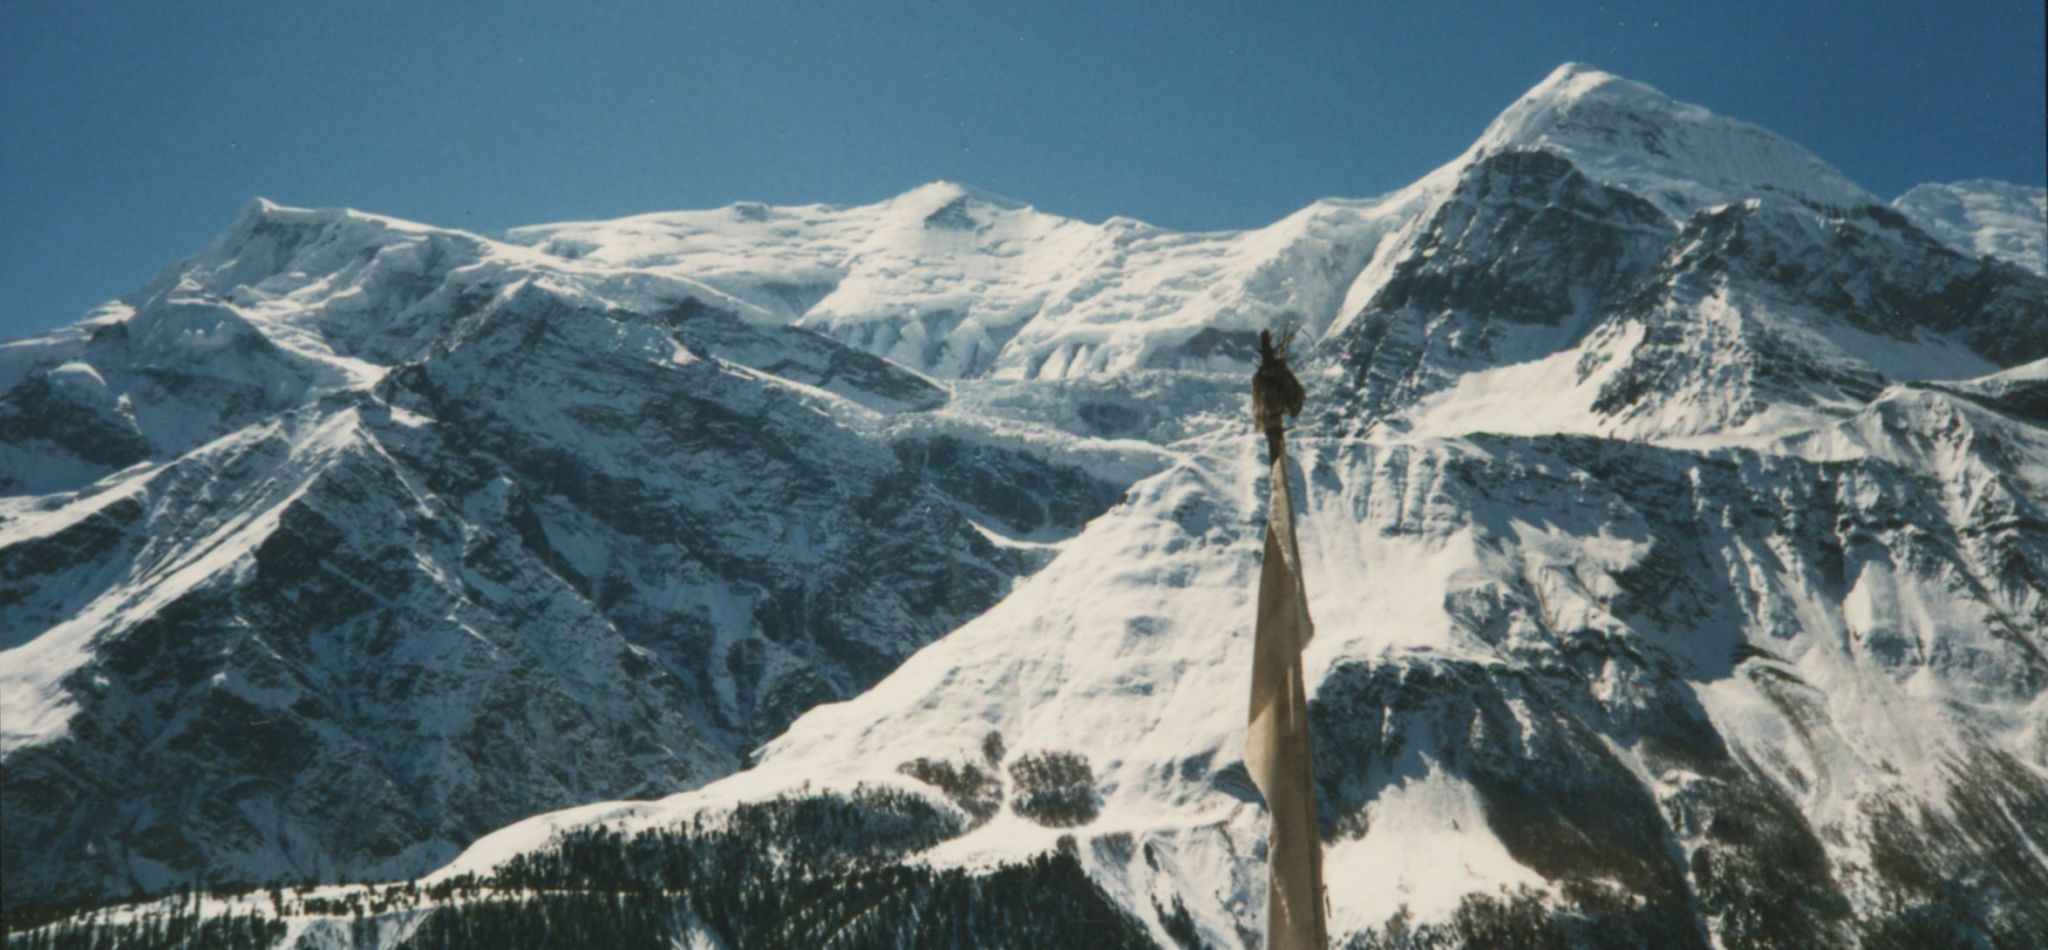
(1275, 391)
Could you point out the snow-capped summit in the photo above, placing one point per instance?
(1608, 260)
(1678, 156)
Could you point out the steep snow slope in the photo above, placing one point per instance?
(1993, 218)
(1674, 526)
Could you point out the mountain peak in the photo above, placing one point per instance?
(1679, 156)
(1573, 80)
(261, 209)
(1576, 88)
(941, 194)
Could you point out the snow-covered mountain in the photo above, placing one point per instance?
(1676, 529)
(403, 538)
(1989, 218)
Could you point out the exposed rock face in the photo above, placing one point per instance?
(1674, 515)
(1524, 257)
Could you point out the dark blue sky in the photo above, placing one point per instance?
(134, 131)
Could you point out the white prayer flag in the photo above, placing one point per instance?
(1276, 744)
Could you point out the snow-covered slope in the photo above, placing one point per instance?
(522, 538)
(1575, 665)
(1609, 261)
(958, 283)
(1676, 529)
(1978, 217)
(1676, 156)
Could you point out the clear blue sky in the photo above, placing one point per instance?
(134, 131)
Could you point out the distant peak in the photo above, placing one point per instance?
(1983, 217)
(260, 217)
(1679, 156)
(262, 210)
(939, 194)
(1574, 79)
(1576, 86)
(1989, 186)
